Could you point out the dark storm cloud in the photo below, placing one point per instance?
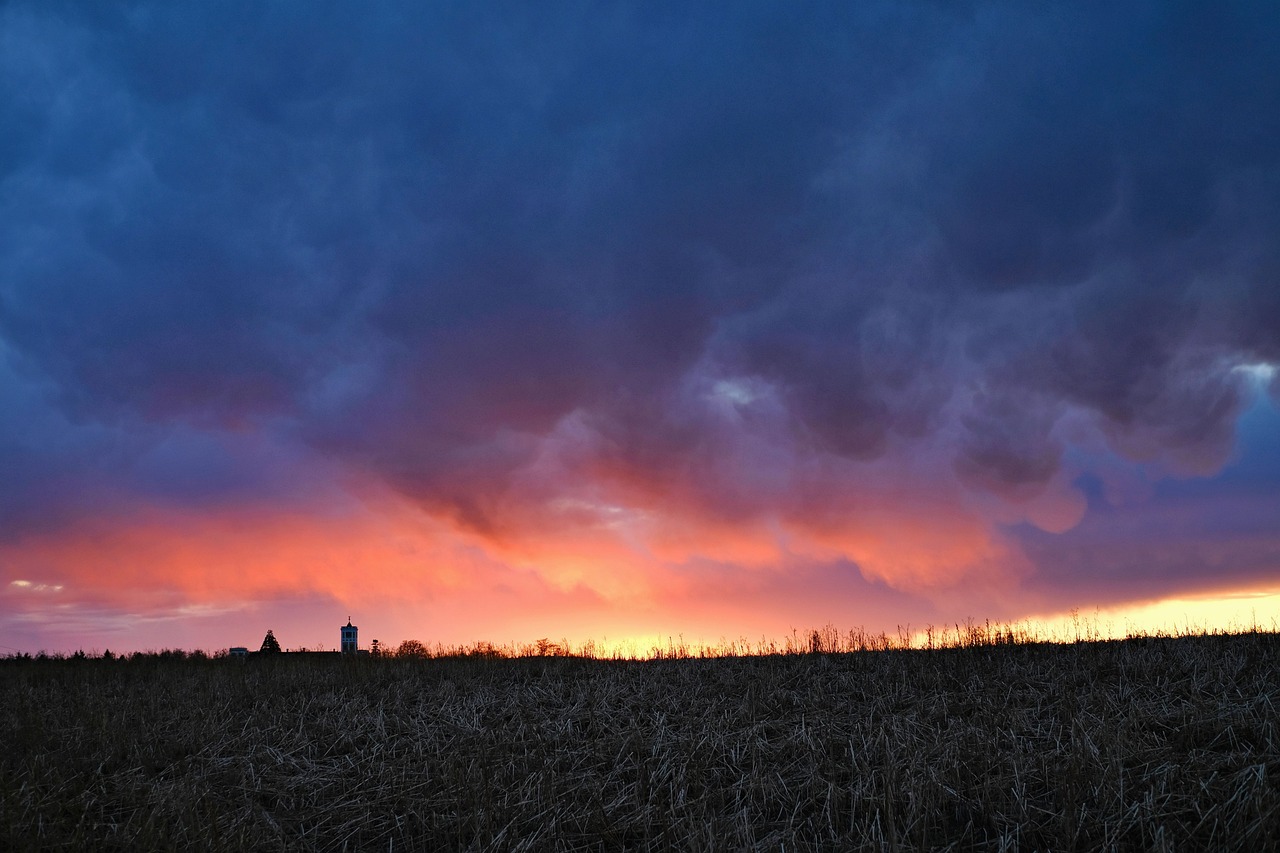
(419, 237)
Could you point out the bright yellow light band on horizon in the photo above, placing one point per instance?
(1191, 615)
(1229, 612)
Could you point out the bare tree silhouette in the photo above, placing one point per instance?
(411, 649)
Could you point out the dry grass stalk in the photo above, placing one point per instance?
(1160, 743)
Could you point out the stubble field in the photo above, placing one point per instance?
(1145, 744)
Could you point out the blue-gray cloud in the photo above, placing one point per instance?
(407, 236)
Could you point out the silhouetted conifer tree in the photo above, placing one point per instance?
(270, 645)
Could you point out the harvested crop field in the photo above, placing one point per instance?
(1168, 743)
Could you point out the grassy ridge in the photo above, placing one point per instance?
(1169, 743)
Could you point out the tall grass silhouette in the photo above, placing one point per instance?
(828, 741)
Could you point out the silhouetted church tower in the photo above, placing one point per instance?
(349, 638)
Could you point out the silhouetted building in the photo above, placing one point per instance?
(349, 645)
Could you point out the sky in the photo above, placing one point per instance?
(628, 321)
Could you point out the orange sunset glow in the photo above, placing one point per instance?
(497, 330)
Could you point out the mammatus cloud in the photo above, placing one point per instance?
(604, 299)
